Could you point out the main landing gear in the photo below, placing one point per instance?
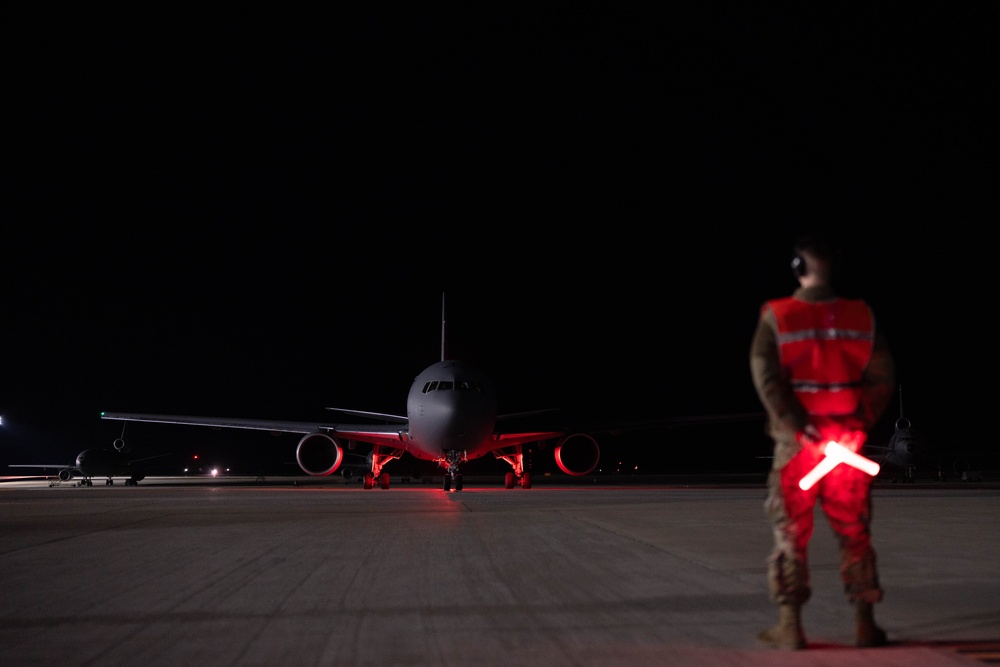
(383, 480)
(108, 482)
(523, 480)
(379, 457)
(514, 455)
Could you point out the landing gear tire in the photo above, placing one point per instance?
(508, 481)
(447, 482)
(458, 482)
(383, 480)
(526, 480)
(369, 480)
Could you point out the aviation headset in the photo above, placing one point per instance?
(798, 265)
(819, 246)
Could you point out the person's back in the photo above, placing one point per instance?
(822, 372)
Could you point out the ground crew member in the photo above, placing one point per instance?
(823, 372)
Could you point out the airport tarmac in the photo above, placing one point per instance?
(269, 572)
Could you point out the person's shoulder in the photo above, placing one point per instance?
(776, 302)
(857, 300)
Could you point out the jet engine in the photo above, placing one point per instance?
(65, 475)
(120, 446)
(577, 454)
(318, 454)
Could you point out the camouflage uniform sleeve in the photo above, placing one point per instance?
(785, 413)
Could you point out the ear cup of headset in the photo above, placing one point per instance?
(799, 266)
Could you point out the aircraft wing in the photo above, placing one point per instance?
(373, 415)
(377, 434)
(509, 439)
(673, 422)
(508, 436)
(618, 426)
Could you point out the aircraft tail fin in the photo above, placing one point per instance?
(443, 357)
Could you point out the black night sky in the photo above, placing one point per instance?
(257, 215)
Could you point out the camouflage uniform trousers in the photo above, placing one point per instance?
(844, 495)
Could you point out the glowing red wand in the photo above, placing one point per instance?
(836, 454)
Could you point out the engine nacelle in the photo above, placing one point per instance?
(65, 475)
(577, 454)
(318, 454)
(120, 446)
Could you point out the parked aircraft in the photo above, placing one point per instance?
(451, 418)
(899, 457)
(99, 462)
(909, 450)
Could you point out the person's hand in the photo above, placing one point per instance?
(809, 435)
(823, 429)
(854, 440)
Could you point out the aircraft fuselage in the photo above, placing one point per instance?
(102, 463)
(451, 407)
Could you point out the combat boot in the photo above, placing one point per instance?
(868, 634)
(787, 634)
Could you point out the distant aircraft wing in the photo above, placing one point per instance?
(149, 458)
(377, 434)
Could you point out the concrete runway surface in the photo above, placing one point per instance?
(220, 573)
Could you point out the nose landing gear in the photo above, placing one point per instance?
(452, 474)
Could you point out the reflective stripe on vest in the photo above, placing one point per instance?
(825, 348)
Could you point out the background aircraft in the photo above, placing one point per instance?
(910, 452)
(903, 450)
(899, 457)
(100, 462)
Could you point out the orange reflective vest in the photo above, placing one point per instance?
(825, 347)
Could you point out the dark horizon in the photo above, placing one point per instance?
(253, 218)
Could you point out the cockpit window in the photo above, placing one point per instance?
(447, 385)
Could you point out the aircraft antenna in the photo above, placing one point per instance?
(442, 327)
